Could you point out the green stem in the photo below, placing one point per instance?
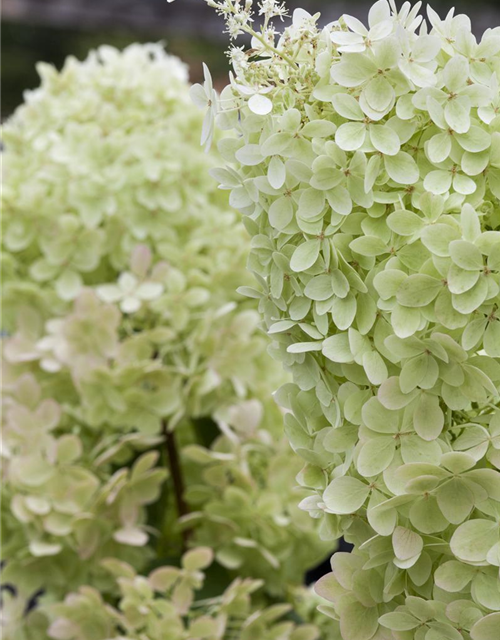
(177, 477)
(263, 41)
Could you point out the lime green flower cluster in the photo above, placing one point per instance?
(244, 500)
(121, 262)
(367, 168)
(159, 606)
(69, 503)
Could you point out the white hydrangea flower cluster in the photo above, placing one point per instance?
(162, 605)
(367, 168)
(69, 503)
(243, 499)
(121, 263)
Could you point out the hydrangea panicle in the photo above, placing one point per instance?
(125, 336)
(370, 185)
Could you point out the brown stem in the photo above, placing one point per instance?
(176, 474)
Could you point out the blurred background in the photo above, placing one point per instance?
(50, 30)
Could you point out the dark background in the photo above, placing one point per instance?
(50, 30)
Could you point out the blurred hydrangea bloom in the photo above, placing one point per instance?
(124, 326)
(366, 164)
(244, 501)
(163, 605)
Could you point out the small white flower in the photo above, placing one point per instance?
(129, 292)
(359, 38)
(205, 97)
(258, 102)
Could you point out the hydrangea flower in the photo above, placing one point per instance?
(369, 191)
(244, 500)
(125, 336)
(163, 603)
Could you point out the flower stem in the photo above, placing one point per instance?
(262, 40)
(177, 477)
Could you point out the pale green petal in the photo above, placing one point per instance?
(345, 495)
(402, 168)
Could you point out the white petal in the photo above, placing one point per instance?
(355, 25)
(198, 96)
(344, 37)
(208, 79)
(40, 549)
(381, 30)
(132, 536)
(127, 282)
(130, 304)
(109, 292)
(207, 128)
(260, 105)
(379, 12)
(149, 290)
